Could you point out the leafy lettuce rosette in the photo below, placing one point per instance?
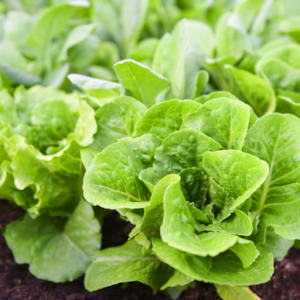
(41, 171)
(210, 188)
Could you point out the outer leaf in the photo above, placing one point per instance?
(18, 76)
(112, 179)
(180, 55)
(280, 67)
(114, 120)
(231, 36)
(227, 292)
(140, 81)
(56, 179)
(76, 36)
(288, 102)
(222, 269)
(50, 23)
(86, 126)
(275, 139)
(254, 91)
(108, 267)
(89, 83)
(56, 249)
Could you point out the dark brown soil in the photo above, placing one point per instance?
(17, 283)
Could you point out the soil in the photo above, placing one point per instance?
(17, 283)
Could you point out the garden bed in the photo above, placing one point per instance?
(17, 283)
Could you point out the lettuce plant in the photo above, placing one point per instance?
(218, 187)
(41, 171)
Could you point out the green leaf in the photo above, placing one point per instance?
(140, 81)
(112, 181)
(288, 102)
(182, 149)
(231, 36)
(178, 279)
(166, 117)
(55, 179)
(222, 269)
(57, 76)
(238, 173)
(246, 251)
(56, 249)
(225, 120)
(86, 126)
(280, 67)
(153, 215)
(227, 292)
(90, 83)
(275, 139)
(178, 228)
(254, 90)
(77, 35)
(275, 244)
(18, 76)
(128, 22)
(52, 21)
(114, 121)
(180, 55)
(108, 268)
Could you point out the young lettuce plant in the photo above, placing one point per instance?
(211, 189)
(42, 172)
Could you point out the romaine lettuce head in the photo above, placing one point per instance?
(218, 187)
(41, 169)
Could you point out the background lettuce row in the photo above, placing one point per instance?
(211, 182)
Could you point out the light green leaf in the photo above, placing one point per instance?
(57, 76)
(16, 28)
(182, 149)
(166, 117)
(56, 179)
(90, 83)
(231, 36)
(275, 139)
(18, 76)
(246, 251)
(76, 36)
(52, 21)
(254, 90)
(238, 173)
(227, 292)
(222, 269)
(225, 120)
(114, 120)
(178, 229)
(180, 55)
(56, 249)
(153, 215)
(112, 181)
(237, 223)
(202, 81)
(140, 81)
(108, 268)
(280, 67)
(86, 126)
(275, 244)
(288, 102)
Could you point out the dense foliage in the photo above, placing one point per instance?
(182, 116)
